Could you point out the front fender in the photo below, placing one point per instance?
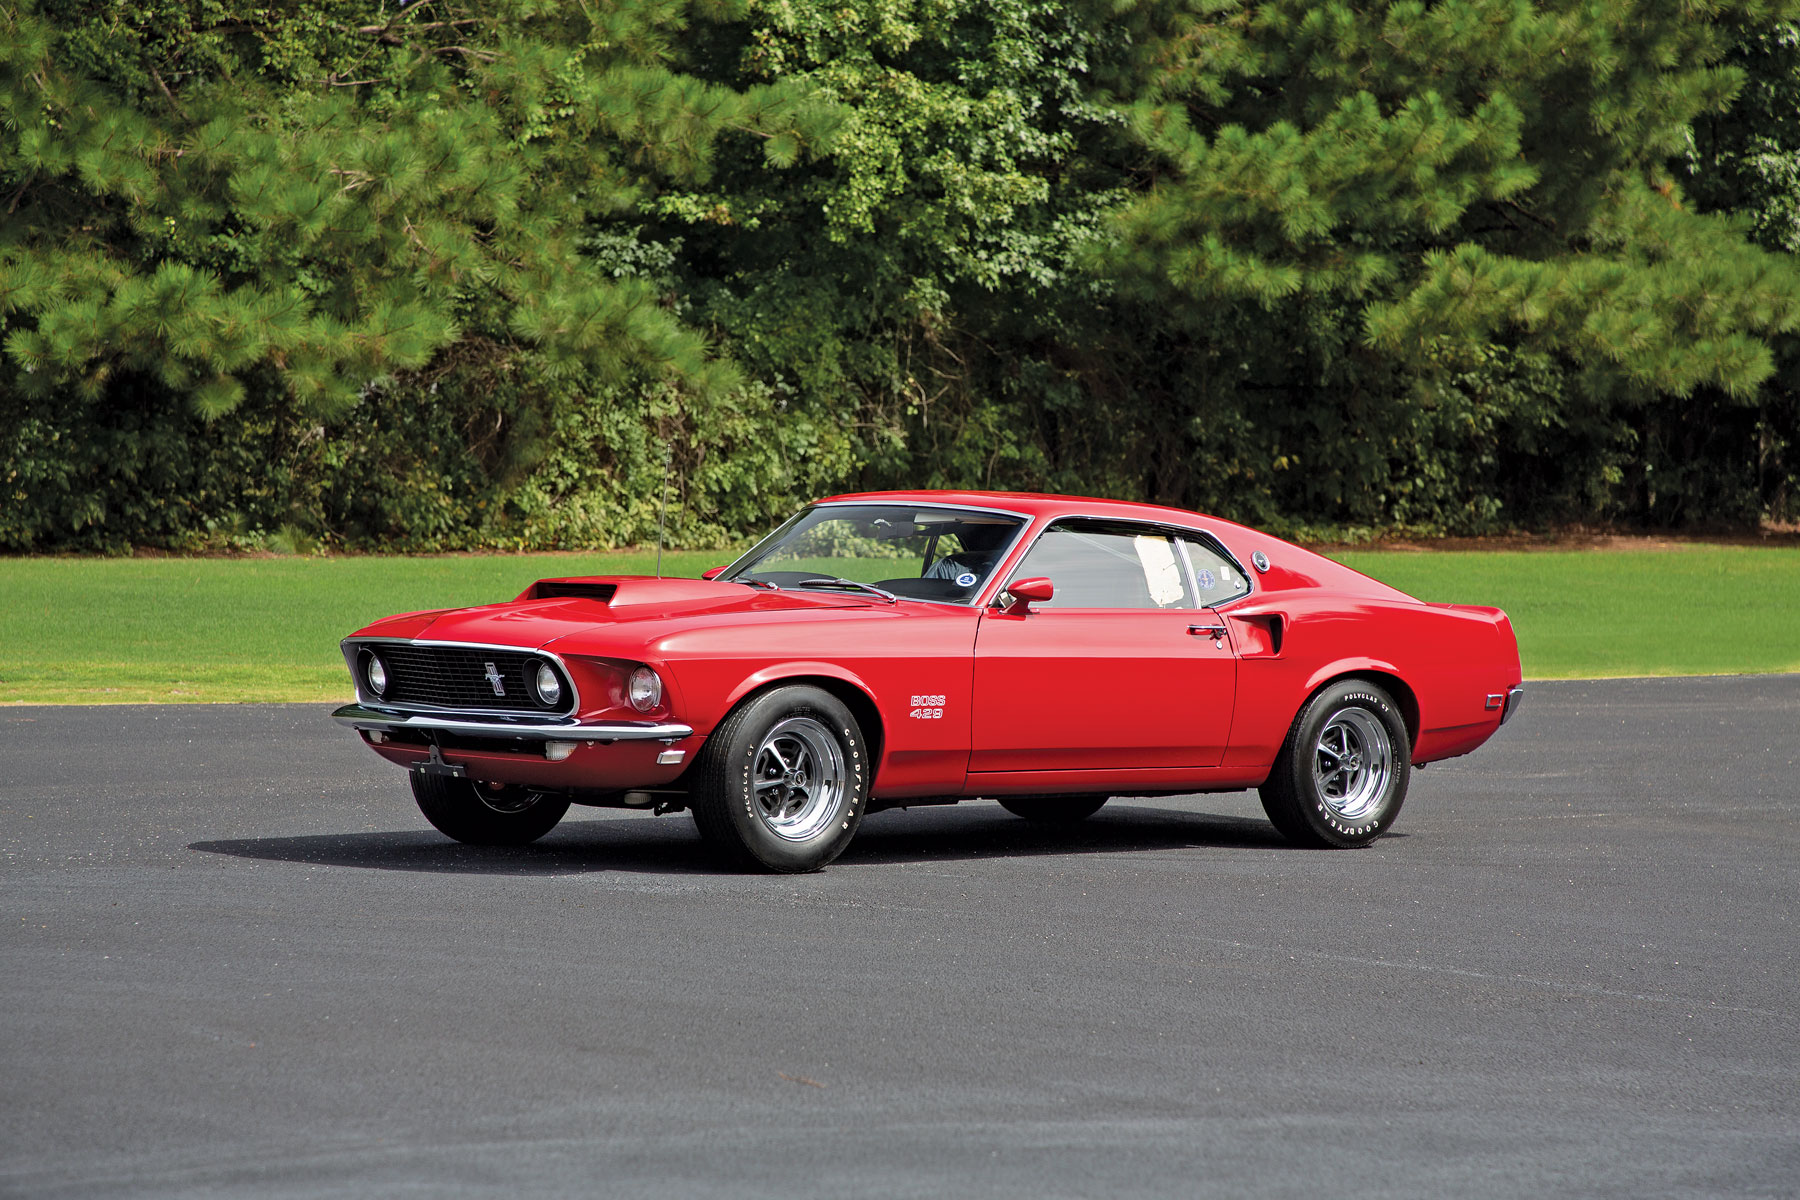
(777, 672)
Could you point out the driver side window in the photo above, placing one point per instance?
(1102, 565)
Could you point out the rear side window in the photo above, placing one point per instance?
(1214, 575)
(1102, 565)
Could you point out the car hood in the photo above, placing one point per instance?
(638, 608)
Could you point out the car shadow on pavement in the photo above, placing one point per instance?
(986, 831)
(672, 846)
(575, 847)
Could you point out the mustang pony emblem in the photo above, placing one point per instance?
(494, 677)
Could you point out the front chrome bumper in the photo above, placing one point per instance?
(558, 729)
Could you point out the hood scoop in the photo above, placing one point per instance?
(586, 600)
(570, 589)
(558, 608)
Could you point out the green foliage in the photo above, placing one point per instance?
(1464, 186)
(341, 230)
(297, 210)
(1744, 160)
(469, 469)
(490, 275)
(885, 290)
(135, 465)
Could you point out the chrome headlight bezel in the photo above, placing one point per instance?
(644, 689)
(547, 685)
(375, 674)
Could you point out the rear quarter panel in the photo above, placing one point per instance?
(1442, 662)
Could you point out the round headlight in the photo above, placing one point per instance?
(645, 690)
(375, 671)
(548, 687)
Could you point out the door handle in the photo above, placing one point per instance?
(1213, 631)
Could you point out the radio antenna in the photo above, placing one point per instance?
(663, 507)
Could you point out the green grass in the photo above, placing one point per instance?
(1689, 610)
(87, 631)
(165, 630)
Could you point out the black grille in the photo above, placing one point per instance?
(459, 677)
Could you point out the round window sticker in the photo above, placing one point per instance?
(1205, 579)
(966, 579)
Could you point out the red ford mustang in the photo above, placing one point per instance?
(905, 648)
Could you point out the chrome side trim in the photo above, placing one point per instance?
(567, 729)
(1513, 698)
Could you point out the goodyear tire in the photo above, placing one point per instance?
(483, 816)
(1342, 773)
(783, 781)
(1053, 810)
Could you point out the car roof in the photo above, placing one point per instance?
(1292, 566)
(1034, 504)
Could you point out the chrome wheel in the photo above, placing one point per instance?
(782, 782)
(799, 778)
(505, 800)
(1352, 760)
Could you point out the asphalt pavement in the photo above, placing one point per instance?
(235, 961)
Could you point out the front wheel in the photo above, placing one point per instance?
(486, 816)
(783, 782)
(1342, 774)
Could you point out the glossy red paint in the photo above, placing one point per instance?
(962, 700)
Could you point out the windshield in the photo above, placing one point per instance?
(915, 552)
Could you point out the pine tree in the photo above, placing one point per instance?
(1457, 174)
(212, 206)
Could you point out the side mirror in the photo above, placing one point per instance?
(1020, 593)
(713, 572)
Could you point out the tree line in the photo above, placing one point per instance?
(450, 274)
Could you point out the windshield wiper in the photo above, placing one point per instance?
(850, 583)
(756, 583)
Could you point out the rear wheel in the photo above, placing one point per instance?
(486, 816)
(1053, 810)
(1342, 774)
(783, 782)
